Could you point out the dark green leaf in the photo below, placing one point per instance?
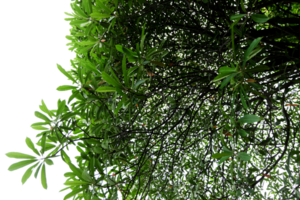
(259, 18)
(21, 164)
(249, 119)
(43, 177)
(19, 155)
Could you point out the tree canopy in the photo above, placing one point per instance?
(177, 99)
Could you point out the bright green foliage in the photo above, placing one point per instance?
(183, 99)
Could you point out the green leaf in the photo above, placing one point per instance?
(61, 107)
(37, 170)
(224, 158)
(110, 80)
(44, 108)
(40, 128)
(65, 157)
(21, 164)
(243, 6)
(48, 161)
(242, 132)
(68, 116)
(28, 173)
(138, 83)
(219, 155)
(43, 177)
(237, 17)
(103, 6)
(125, 73)
(62, 70)
(40, 123)
(120, 104)
(220, 77)
(31, 146)
(244, 156)
(41, 116)
(86, 176)
(249, 119)
(19, 155)
(143, 36)
(130, 54)
(259, 18)
(76, 170)
(250, 49)
(69, 174)
(74, 94)
(243, 100)
(78, 10)
(66, 87)
(226, 70)
(105, 89)
(74, 192)
(227, 79)
(99, 16)
(254, 52)
(74, 183)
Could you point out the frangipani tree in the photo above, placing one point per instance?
(188, 99)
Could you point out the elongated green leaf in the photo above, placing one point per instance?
(224, 158)
(40, 128)
(43, 177)
(138, 83)
(19, 155)
(259, 18)
(103, 6)
(110, 80)
(73, 193)
(254, 52)
(68, 115)
(249, 119)
(115, 76)
(74, 94)
(220, 77)
(250, 49)
(69, 174)
(86, 176)
(65, 157)
(246, 96)
(37, 170)
(244, 156)
(21, 164)
(132, 56)
(243, 100)
(66, 87)
(226, 70)
(61, 107)
(99, 16)
(76, 170)
(75, 183)
(242, 132)
(143, 36)
(227, 79)
(125, 73)
(62, 70)
(44, 108)
(28, 173)
(41, 116)
(243, 6)
(40, 123)
(31, 146)
(106, 89)
(238, 16)
(219, 155)
(132, 69)
(78, 10)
